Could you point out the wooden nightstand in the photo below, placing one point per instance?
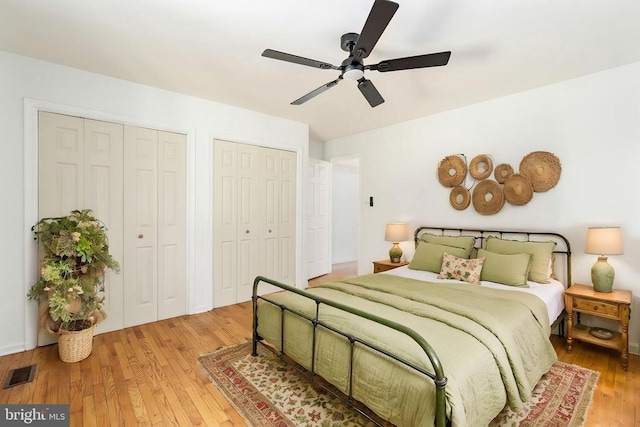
(607, 305)
(385, 264)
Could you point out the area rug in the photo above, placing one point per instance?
(267, 392)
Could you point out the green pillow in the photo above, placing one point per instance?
(428, 256)
(540, 255)
(508, 269)
(465, 242)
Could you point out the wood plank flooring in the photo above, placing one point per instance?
(149, 375)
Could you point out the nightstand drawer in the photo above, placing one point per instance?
(598, 307)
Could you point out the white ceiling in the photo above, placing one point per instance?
(212, 49)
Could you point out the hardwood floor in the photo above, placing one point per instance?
(149, 374)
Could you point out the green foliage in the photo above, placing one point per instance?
(76, 257)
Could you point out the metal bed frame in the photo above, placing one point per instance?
(438, 377)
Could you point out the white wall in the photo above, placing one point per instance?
(316, 149)
(591, 123)
(27, 85)
(345, 213)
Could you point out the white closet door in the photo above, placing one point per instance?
(140, 225)
(172, 227)
(225, 220)
(60, 175)
(81, 168)
(318, 214)
(270, 213)
(250, 264)
(103, 194)
(61, 164)
(287, 216)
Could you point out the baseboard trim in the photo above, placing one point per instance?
(634, 348)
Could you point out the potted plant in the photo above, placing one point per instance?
(74, 261)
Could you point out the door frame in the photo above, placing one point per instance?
(31, 109)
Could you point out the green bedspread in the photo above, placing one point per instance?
(493, 345)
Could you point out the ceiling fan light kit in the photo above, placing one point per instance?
(359, 47)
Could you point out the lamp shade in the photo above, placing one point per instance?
(396, 232)
(604, 241)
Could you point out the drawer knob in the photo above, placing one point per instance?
(595, 308)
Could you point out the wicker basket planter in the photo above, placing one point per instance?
(74, 346)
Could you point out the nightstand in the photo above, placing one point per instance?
(385, 264)
(607, 305)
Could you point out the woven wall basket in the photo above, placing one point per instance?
(74, 346)
(487, 197)
(517, 190)
(459, 198)
(502, 172)
(542, 168)
(481, 166)
(452, 170)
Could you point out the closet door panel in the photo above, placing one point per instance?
(225, 220)
(61, 164)
(269, 214)
(172, 281)
(140, 226)
(249, 230)
(103, 145)
(60, 174)
(287, 215)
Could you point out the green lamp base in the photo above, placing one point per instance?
(602, 275)
(395, 253)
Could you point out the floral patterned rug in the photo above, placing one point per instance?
(267, 392)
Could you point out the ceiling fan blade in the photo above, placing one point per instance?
(370, 92)
(379, 17)
(420, 61)
(316, 92)
(274, 54)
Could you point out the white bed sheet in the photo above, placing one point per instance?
(551, 293)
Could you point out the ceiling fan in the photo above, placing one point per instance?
(359, 47)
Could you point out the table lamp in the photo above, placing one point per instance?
(396, 232)
(603, 241)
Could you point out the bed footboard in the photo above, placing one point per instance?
(438, 377)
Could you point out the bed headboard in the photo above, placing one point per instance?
(562, 251)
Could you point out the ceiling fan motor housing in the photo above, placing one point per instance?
(348, 41)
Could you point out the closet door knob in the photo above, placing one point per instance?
(140, 236)
(269, 231)
(246, 231)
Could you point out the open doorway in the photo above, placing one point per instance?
(345, 211)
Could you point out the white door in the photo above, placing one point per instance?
(225, 220)
(103, 144)
(254, 223)
(287, 216)
(172, 225)
(140, 226)
(249, 231)
(318, 218)
(60, 177)
(80, 167)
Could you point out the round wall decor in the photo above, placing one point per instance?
(518, 190)
(459, 198)
(542, 168)
(487, 197)
(452, 171)
(481, 166)
(502, 172)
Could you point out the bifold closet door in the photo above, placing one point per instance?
(80, 167)
(225, 223)
(254, 218)
(278, 217)
(155, 226)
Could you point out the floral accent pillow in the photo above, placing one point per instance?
(467, 270)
